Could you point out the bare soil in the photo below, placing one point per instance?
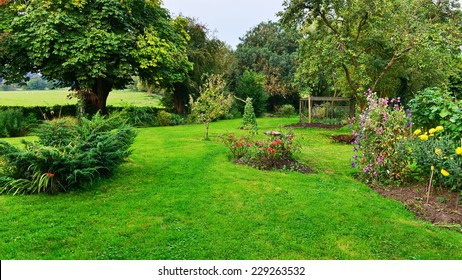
(441, 209)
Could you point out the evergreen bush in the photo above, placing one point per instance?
(249, 120)
(68, 155)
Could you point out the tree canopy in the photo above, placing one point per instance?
(271, 50)
(381, 45)
(94, 46)
(207, 54)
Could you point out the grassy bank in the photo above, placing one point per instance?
(179, 197)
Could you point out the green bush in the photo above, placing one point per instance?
(139, 116)
(434, 152)
(433, 107)
(286, 110)
(14, 123)
(68, 155)
(379, 133)
(249, 120)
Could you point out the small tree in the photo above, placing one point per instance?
(249, 120)
(212, 103)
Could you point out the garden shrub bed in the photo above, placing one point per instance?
(287, 164)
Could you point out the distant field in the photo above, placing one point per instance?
(29, 98)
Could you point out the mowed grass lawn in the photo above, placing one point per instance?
(30, 98)
(179, 197)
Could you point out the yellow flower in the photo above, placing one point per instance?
(423, 137)
(432, 131)
(459, 151)
(438, 151)
(433, 168)
(439, 128)
(417, 132)
(445, 173)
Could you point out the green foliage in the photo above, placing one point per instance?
(95, 46)
(168, 119)
(262, 154)
(13, 122)
(271, 50)
(68, 155)
(433, 107)
(433, 154)
(381, 45)
(251, 85)
(208, 55)
(286, 110)
(379, 133)
(249, 120)
(213, 102)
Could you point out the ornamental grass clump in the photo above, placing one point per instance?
(380, 132)
(68, 155)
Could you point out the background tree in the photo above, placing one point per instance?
(212, 103)
(208, 55)
(271, 50)
(95, 46)
(382, 45)
(252, 84)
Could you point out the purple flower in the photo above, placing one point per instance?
(353, 165)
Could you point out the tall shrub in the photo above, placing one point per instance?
(381, 128)
(249, 120)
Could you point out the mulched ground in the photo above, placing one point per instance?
(440, 210)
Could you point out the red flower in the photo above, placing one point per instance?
(49, 175)
(239, 144)
(291, 137)
(278, 141)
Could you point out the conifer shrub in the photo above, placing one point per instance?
(249, 120)
(69, 154)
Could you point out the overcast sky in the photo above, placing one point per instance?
(230, 19)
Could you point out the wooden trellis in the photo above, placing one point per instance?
(306, 106)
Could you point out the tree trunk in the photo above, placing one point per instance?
(95, 100)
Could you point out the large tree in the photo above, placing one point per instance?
(383, 44)
(208, 55)
(271, 50)
(95, 46)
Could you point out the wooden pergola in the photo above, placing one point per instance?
(306, 105)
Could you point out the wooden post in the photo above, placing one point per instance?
(309, 108)
(300, 110)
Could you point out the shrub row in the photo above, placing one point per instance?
(18, 121)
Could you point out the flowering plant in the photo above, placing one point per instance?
(261, 153)
(435, 150)
(379, 132)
